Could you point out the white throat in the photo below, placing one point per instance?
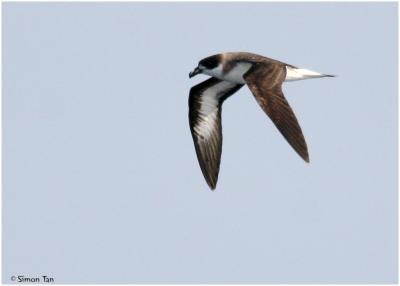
(234, 75)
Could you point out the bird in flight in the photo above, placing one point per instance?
(229, 72)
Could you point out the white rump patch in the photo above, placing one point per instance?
(299, 74)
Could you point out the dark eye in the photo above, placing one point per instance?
(210, 62)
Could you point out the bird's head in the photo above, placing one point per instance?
(206, 66)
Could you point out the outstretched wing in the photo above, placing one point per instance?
(265, 82)
(205, 103)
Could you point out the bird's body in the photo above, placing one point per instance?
(233, 66)
(229, 72)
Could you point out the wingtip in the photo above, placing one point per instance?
(211, 181)
(329, 75)
(306, 158)
(212, 187)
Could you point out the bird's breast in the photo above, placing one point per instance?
(234, 74)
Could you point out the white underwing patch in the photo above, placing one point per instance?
(209, 108)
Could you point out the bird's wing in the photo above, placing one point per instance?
(265, 82)
(205, 103)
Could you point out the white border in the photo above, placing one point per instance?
(107, 1)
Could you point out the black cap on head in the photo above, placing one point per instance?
(210, 62)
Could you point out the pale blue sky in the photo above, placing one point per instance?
(100, 179)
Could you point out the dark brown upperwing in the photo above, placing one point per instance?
(265, 82)
(205, 104)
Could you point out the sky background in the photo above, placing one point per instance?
(101, 182)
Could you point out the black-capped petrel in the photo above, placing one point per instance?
(229, 72)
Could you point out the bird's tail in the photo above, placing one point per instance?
(293, 73)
